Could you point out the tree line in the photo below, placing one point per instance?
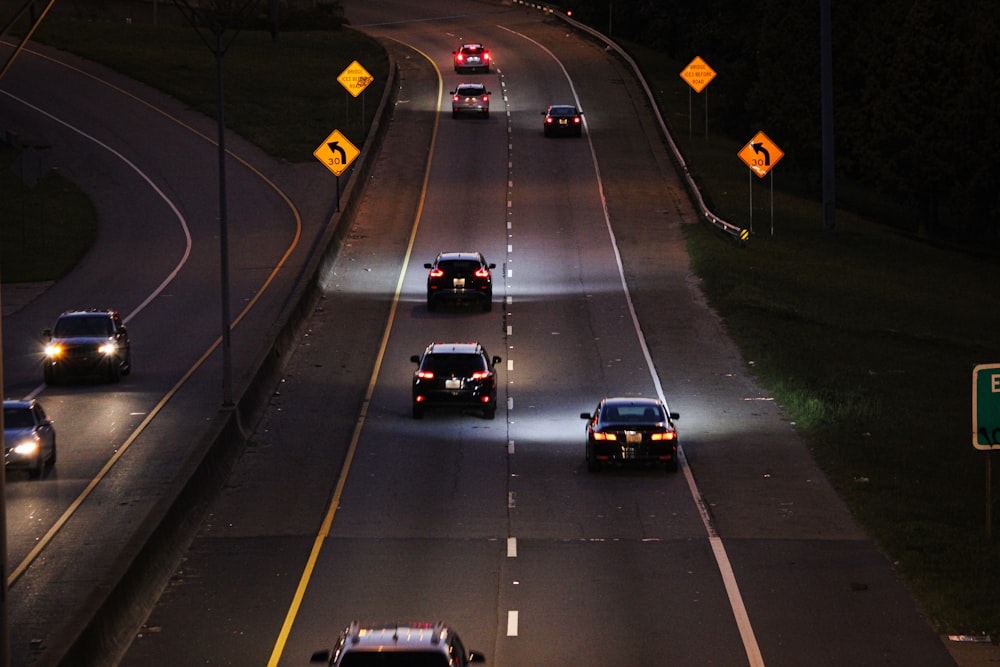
(917, 133)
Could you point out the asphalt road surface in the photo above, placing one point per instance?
(344, 508)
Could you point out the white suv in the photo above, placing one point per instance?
(470, 97)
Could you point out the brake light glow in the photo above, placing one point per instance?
(436, 273)
(425, 375)
(455, 98)
(480, 375)
(604, 436)
(485, 99)
(483, 273)
(669, 435)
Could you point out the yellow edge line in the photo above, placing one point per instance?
(324, 531)
(18, 571)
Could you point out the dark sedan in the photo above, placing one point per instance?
(627, 430)
(562, 119)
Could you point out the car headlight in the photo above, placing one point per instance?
(26, 447)
(53, 351)
(107, 349)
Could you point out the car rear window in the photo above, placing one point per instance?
(470, 90)
(459, 266)
(462, 365)
(562, 112)
(631, 413)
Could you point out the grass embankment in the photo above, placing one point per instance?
(867, 338)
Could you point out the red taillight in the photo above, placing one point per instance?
(485, 399)
(459, 57)
(604, 436)
(436, 273)
(485, 98)
(548, 120)
(577, 120)
(425, 375)
(455, 99)
(486, 57)
(669, 435)
(483, 273)
(480, 375)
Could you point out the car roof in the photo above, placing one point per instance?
(86, 313)
(451, 256)
(471, 85)
(562, 107)
(454, 348)
(394, 637)
(17, 405)
(473, 45)
(631, 401)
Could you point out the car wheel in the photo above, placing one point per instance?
(431, 306)
(52, 459)
(545, 131)
(486, 113)
(418, 411)
(488, 303)
(454, 113)
(490, 412)
(38, 470)
(49, 373)
(127, 368)
(114, 372)
(673, 464)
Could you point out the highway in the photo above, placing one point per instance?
(343, 507)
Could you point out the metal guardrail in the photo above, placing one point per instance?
(738, 234)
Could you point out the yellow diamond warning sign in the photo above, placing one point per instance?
(336, 152)
(761, 154)
(355, 78)
(698, 74)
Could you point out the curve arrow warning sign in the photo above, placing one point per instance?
(336, 152)
(761, 154)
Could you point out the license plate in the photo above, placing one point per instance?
(563, 121)
(631, 436)
(453, 383)
(458, 282)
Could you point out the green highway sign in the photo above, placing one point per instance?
(986, 406)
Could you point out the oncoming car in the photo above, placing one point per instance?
(472, 57)
(562, 119)
(409, 645)
(455, 375)
(29, 437)
(470, 97)
(631, 430)
(87, 343)
(460, 277)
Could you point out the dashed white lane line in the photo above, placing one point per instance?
(510, 364)
(511, 547)
(512, 623)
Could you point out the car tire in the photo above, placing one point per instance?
(418, 411)
(454, 114)
(49, 374)
(488, 304)
(114, 372)
(486, 113)
(431, 306)
(545, 131)
(490, 412)
(673, 464)
(593, 465)
(52, 459)
(38, 470)
(127, 368)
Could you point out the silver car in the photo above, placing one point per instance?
(29, 437)
(470, 97)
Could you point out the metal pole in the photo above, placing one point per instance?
(826, 77)
(4, 611)
(989, 495)
(227, 371)
(750, 183)
(706, 113)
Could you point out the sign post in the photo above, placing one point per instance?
(761, 154)
(986, 425)
(698, 75)
(355, 79)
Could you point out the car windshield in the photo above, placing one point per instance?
(632, 413)
(17, 418)
(459, 266)
(83, 326)
(460, 365)
(394, 659)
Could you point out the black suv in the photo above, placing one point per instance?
(460, 277)
(87, 343)
(415, 645)
(455, 375)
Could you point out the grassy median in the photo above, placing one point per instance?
(866, 337)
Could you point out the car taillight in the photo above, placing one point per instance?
(436, 273)
(480, 375)
(486, 57)
(485, 98)
(548, 120)
(483, 273)
(455, 99)
(459, 57)
(577, 120)
(604, 436)
(669, 435)
(425, 375)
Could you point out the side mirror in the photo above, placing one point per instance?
(321, 656)
(675, 415)
(493, 266)
(496, 360)
(415, 358)
(47, 334)
(476, 656)
(428, 265)
(585, 415)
